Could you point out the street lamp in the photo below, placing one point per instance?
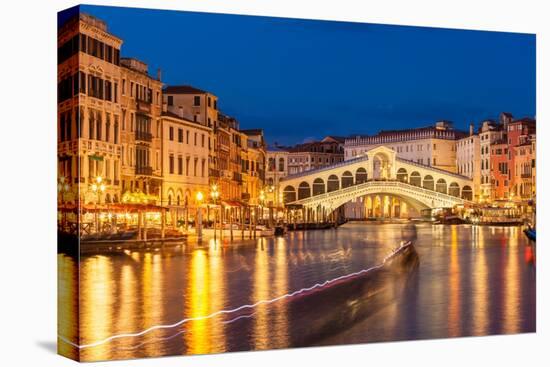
(98, 187)
(262, 203)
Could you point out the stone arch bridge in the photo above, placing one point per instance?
(377, 173)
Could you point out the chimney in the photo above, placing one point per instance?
(159, 74)
(471, 128)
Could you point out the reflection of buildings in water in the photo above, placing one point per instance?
(455, 290)
(67, 304)
(96, 312)
(280, 283)
(480, 278)
(262, 327)
(152, 298)
(511, 297)
(217, 290)
(197, 338)
(125, 317)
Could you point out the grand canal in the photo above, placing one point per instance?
(470, 281)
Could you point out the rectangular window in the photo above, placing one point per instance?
(171, 164)
(171, 134)
(83, 43)
(170, 100)
(180, 135)
(197, 101)
(115, 93)
(180, 165)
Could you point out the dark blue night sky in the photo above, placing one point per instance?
(303, 79)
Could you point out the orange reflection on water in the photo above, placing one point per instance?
(96, 280)
(511, 322)
(455, 294)
(480, 297)
(197, 290)
(280, 320)
(67, 305)
(217, 290)
(261, 292)
(153, 301)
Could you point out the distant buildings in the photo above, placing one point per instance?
(316, 154)
(431, 146)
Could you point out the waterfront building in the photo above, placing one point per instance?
(519, 135)
(431, 146)
(253, 167)
(276, 168)
(314, 155)
(199, 106)
(141, 104)
(490, 132)
(184, 161)
(89, 110)
(468, 158)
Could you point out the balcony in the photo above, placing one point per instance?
(144, 136)
(144, 170)
(526, 175)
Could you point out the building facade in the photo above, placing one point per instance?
(89, 110)
(141, 104)
(313, 155)
(276, 168)
(184, 161)
(490, 132)
(253, 167)
(468, 159)
(431, 146)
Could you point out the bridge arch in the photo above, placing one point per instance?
(333, 183)
(318, 186)
(402, 175)
(415, 179)
(441, 186)
(347, 179)
(360, 175)
(304, 190)
(428, 182)
(289, 194)
(467, 193)
(454, 189)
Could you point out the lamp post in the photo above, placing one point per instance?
(200, 198)
(214, 194)
(262, 204)
(98, 187)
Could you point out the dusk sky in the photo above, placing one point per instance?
(304, 79)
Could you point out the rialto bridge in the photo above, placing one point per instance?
(384, 183)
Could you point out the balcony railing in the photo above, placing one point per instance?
(144, 170)
(144, 136)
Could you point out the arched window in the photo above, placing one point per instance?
(441, 186)
(360, 176)
(333, 183)
(289, 194)
(428, 182)
(402, 175)
(467, 193)
(318, 186)
(304, 191)
(347, 179)
(415, 179)
(454, 189)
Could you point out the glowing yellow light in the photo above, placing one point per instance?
(102, 187)
(200, 196)
(99, 179)
(94, 187)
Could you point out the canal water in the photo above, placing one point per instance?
(470, 281)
